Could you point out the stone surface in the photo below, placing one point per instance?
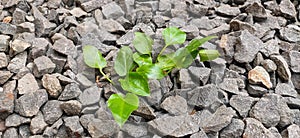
(285, 89)
(7, 29)
(43, 65)
(93, 4)
(233, 130)
(3, 60)
(18, 46)
(242, 104)
(71, 107)
(29, 104)
(18, 62)
(10, 133)
(52, 85)
(15, 120)
(257, 10)
(292, 131)
(4, 42)
(27, 84)
(175, 126)
(52, 111)
(255, 90)
(4, 76)
(43, 26)
(175, 105)
(38, 124)
(254, 129)
(269, 65)
(135, 130)
(230, 85)
(7, 99)
(227, 10)
(112, 10)
(289, 33)
(65, 46)
(78, 12)
(107, 129)
(259, 75)
(295, 60)
(199, 75)
(70, 91)
(288, 10)
(185, 79)
(73, 126)
(203, 96)
(90, 96)
(282, 67)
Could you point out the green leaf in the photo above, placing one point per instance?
(173, 35)
(196, 43)
(123, 61)
(142, 43)
(93, 58)
(151, 71)
(206, 55)
(165, 62)
(122, 106)
(135, 83)
(182, 58)
(142, 59)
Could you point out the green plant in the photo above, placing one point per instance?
(136, 68)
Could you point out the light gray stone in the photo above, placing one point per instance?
(43, 65)
(4, 76)
(78, 12)
(38, 124)
(27, 84)
(112, 10)
(3, 60)
(292, 131)
(203, 96)
(73, 126)
(15, 120)
(7, 99)
(227, 10)
(18, 62)
(175, 105)
(52, 111)
(285, 89)
(7, 29)
(288, 10)
(107, 129)
(90, 96)
(230, 85)
(199, 74)
(4, 42)
(42, 25)
(135, 130)
(233, 130)
(295, 60)
(289, 33)
(19, 46)
(10, 133)
(242, 104)
(93, 4)
(255, 129)
(65, 46)
(269, 65)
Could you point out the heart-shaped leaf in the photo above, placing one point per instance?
(122, 106)
(206, 55)
(136, 83)
(151, 71)
(93, 58)
(165, 62)
(173, 35)
(124, 61)
(142, 59)
(182, 58)
(142, 43)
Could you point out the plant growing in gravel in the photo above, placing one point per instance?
(135, 69)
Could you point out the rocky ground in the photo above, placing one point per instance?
(251, 91)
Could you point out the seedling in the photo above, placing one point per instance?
(135, 69)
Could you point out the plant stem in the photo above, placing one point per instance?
(164, 48)
(105, 76)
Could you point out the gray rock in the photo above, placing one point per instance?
(220, 30)
(269, 65)
(29, 104)
(7, 99)
(71, 107)
(255, 90)
(293, 131)
(70, 91)
(296, 113)
(247, 48)
(227, 10)
(54, 3)
(176, 126)
(24, 131)
(218, 67)
(18, 62)
(78, 12)
(4, 42)
(230, 85)
(255, 129)
(83, 81)
(257, 10)
(175, 105)
(259, 75)
(52, 111)
(199, 74)
(134, 130)
(185, 79)
(203, 96)
(10, 133)
(27, 84)
(295, 60)
(272, 110)
(19, 16)
(53, 129)
(111, 25)
(58, 59)
(107, 129)
(65, 46)
(86, 119)
(275, 132)
(52, 85)
(63, 79)
(73, 126)
(287, 9)
(233, 130)
(289, 33)
(39, 47)
(144, 110)
(93, 4)
(285, 89)
(18, 46)
(15, 120)
(43, 65)
(112, 10)
(4, 76)
(38, 124)
(296, 80)
(3, 60)
(205, 23)
(90, 109)
(42, 25)
(236, 68)
(126, 39)
(242, 104)
(7, 29)
(292, 102)
(282, 67)
(200, 134)
(219, 120)
(26, 27)
(90, 96)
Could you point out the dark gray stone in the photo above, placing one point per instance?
(107, 129)
(257, 10)
(287, 9)
(73, 126)
(289, 33)
(292, 131)
(71, 107)
(227, 10)
(43, 65)
(26, 27)
(242, 104)
(42, 25)
(39, 47)
(7, 99)
(144, 110)
(65, 46)
(53, 129)
(255, 90)
(176, 126)
(4, 42)
(3, 60)
(15, 120)
(230, 85)
(175, 105)
(135, 130)
(58, 59)
(7, 29)
(27, 84)
(292, 102)
(296, 80)
(111, 25)
(52, 111)
(29, 104)
(19, 16)
(18, 62)
(236, 68)
(205, 23)
(38, 124)
(294, 61)
(70, 91)
(199, 74)
(10, 133)
(24, 131)
(285, 89)
(185, 79)
(4, 76)
(237, 25)
(255, 129)
(90, 96)
(83, 81)
(93, 4)
(112, 10)
(219, 120)
(203, 96)
(52, 85)
(86, 119)
(233, 130)
(247, 48)
(282, 67)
